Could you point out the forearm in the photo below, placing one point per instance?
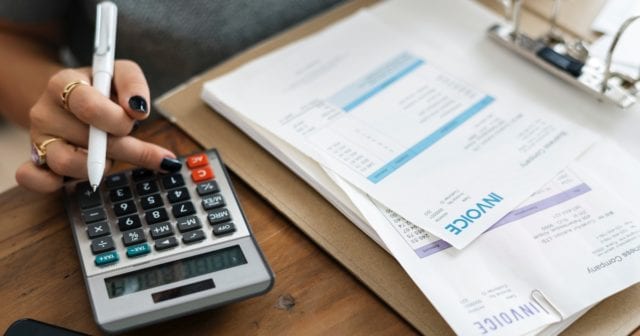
(26, 64)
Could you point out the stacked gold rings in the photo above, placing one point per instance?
(67, 92)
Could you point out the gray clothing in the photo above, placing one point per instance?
(172, 40)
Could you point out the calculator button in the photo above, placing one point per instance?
(172, 181)
(151, 201)
(115, 180)
(106, 258)
(207, 188)
(213, 201)
(141, 174)
(156, 216)
(96, 230)
(166, 243)
(197, 160)
(120, 194)
(146, 188)
(93, 215)
(133, 237)
(87, 198)
(219, 216)
(138, 250)
(160, 230)
(201, 174)
(178, 195)
(124, 208)
(183, 209)
(129, 222)
(192, 237)
(103, 244)
(188, 223)
(222, 229)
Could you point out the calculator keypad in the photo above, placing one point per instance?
(140, 214)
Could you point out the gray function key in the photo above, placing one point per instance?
(188, 224)
(219, 216)
(212, 201)
(166, 243)
(207, 188)
(93, 215)
(133, 237)
(223, 229)
(86, 197)
(193, 236)
(115, 180)
(95, 230)
(141, 174)
(160, 230)
(103, 244)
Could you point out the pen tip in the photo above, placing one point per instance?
(95, 187)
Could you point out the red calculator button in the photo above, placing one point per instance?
(197, 160)
(201, 174)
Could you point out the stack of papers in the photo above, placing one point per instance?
(509, 218)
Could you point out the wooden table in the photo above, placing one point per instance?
(41, 278)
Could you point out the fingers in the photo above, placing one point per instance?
(88, 105)
(143, 154)
(67, 160)
(38, 179)
(132, 89)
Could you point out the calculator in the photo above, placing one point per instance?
(157, 246)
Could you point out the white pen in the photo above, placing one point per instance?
(103, 58)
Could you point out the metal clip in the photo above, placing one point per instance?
(542, 301)
(628, 82)
(568, 60)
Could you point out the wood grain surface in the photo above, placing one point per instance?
(41, 278)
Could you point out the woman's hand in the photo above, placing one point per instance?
(86, 106)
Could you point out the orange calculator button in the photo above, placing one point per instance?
(201, 174)
(197, 160)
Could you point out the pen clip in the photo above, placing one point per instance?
(105, 38)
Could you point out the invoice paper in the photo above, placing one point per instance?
(570, 245)
(366, 103)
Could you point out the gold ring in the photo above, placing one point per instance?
(39, 152)
(67, 92)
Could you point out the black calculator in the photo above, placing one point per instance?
(158, 246)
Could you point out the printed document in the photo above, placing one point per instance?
(365, 103)
(571, 244)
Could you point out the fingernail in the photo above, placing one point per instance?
(138, 103)
(170, 165)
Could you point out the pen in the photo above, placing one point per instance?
(102, 71)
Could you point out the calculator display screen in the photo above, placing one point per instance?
(174, 271)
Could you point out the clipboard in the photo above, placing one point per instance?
(324, 224)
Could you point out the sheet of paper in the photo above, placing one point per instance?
(626, 57)
(421, 140)
(613, 14)
(570, 245)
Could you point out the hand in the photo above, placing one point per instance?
(116, 116)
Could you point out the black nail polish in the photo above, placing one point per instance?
(136, 125)
(170, 165)
(138, 103)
